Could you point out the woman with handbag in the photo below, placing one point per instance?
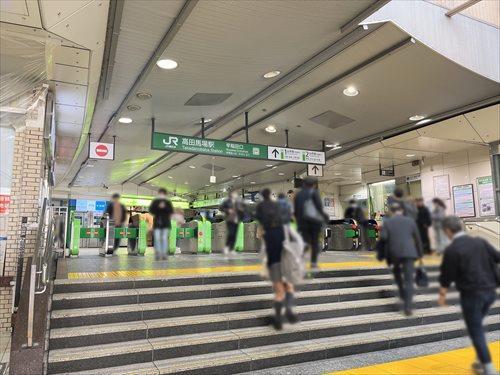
(268, 215)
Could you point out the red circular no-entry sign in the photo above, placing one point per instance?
(101, 150)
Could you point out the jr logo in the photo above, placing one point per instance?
(172, 141)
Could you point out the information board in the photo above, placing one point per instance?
(295, 155)
(463, 200)
(485, 196)
(442, 186)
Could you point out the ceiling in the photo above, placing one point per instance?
(220, 50)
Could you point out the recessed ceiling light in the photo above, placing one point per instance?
(269, 165)
(239, 178)
(185, 182)
(234, 176)
(351, 91)
(143, 95)
(281, 174)
(133, 107)
(252, 182)
(272, 74)
(416, 117)
(271, 129)
(125, 120)
(337, 174)
(167, 64)
(410, 155)
(207, 185)
(169, 176)
(192, 167)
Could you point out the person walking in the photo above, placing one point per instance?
(355, 212)
(402, 246)
(398, 196)
(285, 209)
(268, 215)
(424, 221)
(118, 214)
(438, 215)
(231, 208)
(161, 208)
(472, 264)
(310, 217)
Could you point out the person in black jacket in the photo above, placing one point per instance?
(424, 221)
(472, 264)
(403, 246)
(118, 214)
(161, 208)
(268, 215)
(355, 212)
(232, 208)
(310, 217)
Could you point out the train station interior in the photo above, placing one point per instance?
(249, 186)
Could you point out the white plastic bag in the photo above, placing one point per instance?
(292, 262)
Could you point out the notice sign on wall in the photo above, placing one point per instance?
(485, 196)
(100, 150)
(463, 200)
(442, 186)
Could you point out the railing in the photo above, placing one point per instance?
(40, 265)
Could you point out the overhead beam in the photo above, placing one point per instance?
(354, 23)
(461, 7)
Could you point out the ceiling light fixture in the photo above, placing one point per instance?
(169, 176)
(416, 117)
(337, 174)
(143, 95)
(234, 176)
(167, 64)
(424, 121)
(207, 185)
(410, 155)
(281, 174)
(333, 146)
(351, 91)
(271, 129)
(125, 120)
(252, 182)
(192, 167)
(269, 165)
(272, 74)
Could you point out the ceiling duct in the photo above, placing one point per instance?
(204, 99)
(331, 119)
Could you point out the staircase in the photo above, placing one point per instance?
(219, 324)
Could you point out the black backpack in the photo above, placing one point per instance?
(271, 217)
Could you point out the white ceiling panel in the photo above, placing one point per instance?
(486, 122)
(21, 12)
(456, 128)
(71, 114)
(68, 129)
(70, 95)
(54, 11)
(70, 74)
(72, 56)
(432, 145)
(400, 138)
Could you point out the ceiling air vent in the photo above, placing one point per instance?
(217, 168)
(205, 99)
(331, 119)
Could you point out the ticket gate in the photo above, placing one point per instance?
(342, 235)
(251, 240)
(219, 233)
(195, 237)
(107, 234)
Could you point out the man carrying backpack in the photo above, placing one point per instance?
(310, 217)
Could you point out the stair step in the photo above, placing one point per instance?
(85, 285)
(160, 294)
(126, 331)
(155, 310)
(231, 358)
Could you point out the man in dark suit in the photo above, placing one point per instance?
(472, 264)
(310, 216)
(403, 246)
(118, 214)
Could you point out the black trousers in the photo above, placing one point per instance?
(232, 229)
(310, 234)
(404, 270)
(475, 306)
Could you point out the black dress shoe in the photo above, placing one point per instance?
(278, 323)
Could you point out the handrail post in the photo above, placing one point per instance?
(31, 306)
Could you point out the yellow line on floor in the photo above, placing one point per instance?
(216, 269)
(454, 362)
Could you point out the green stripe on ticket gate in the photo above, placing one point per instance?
(351, 233)
(172, 237)
(74, 244)
(204, 236)
(125, 232)
(142, 240)
(239, 244)
(372, 233)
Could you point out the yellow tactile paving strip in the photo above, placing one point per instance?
(220, 269)
(455, 362)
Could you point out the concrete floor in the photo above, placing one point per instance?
(90, 261)
(367, 359)
(4, 352)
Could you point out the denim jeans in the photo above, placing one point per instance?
(475, 306)
(161, 242)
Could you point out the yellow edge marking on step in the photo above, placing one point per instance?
(454, 362)
(209, 270)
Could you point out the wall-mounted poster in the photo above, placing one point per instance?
(463, 200)
(442, 186)
(485, 196)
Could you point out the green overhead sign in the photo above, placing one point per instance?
(217, 147)
(195, 145)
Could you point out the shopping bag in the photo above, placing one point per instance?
(292, 262)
